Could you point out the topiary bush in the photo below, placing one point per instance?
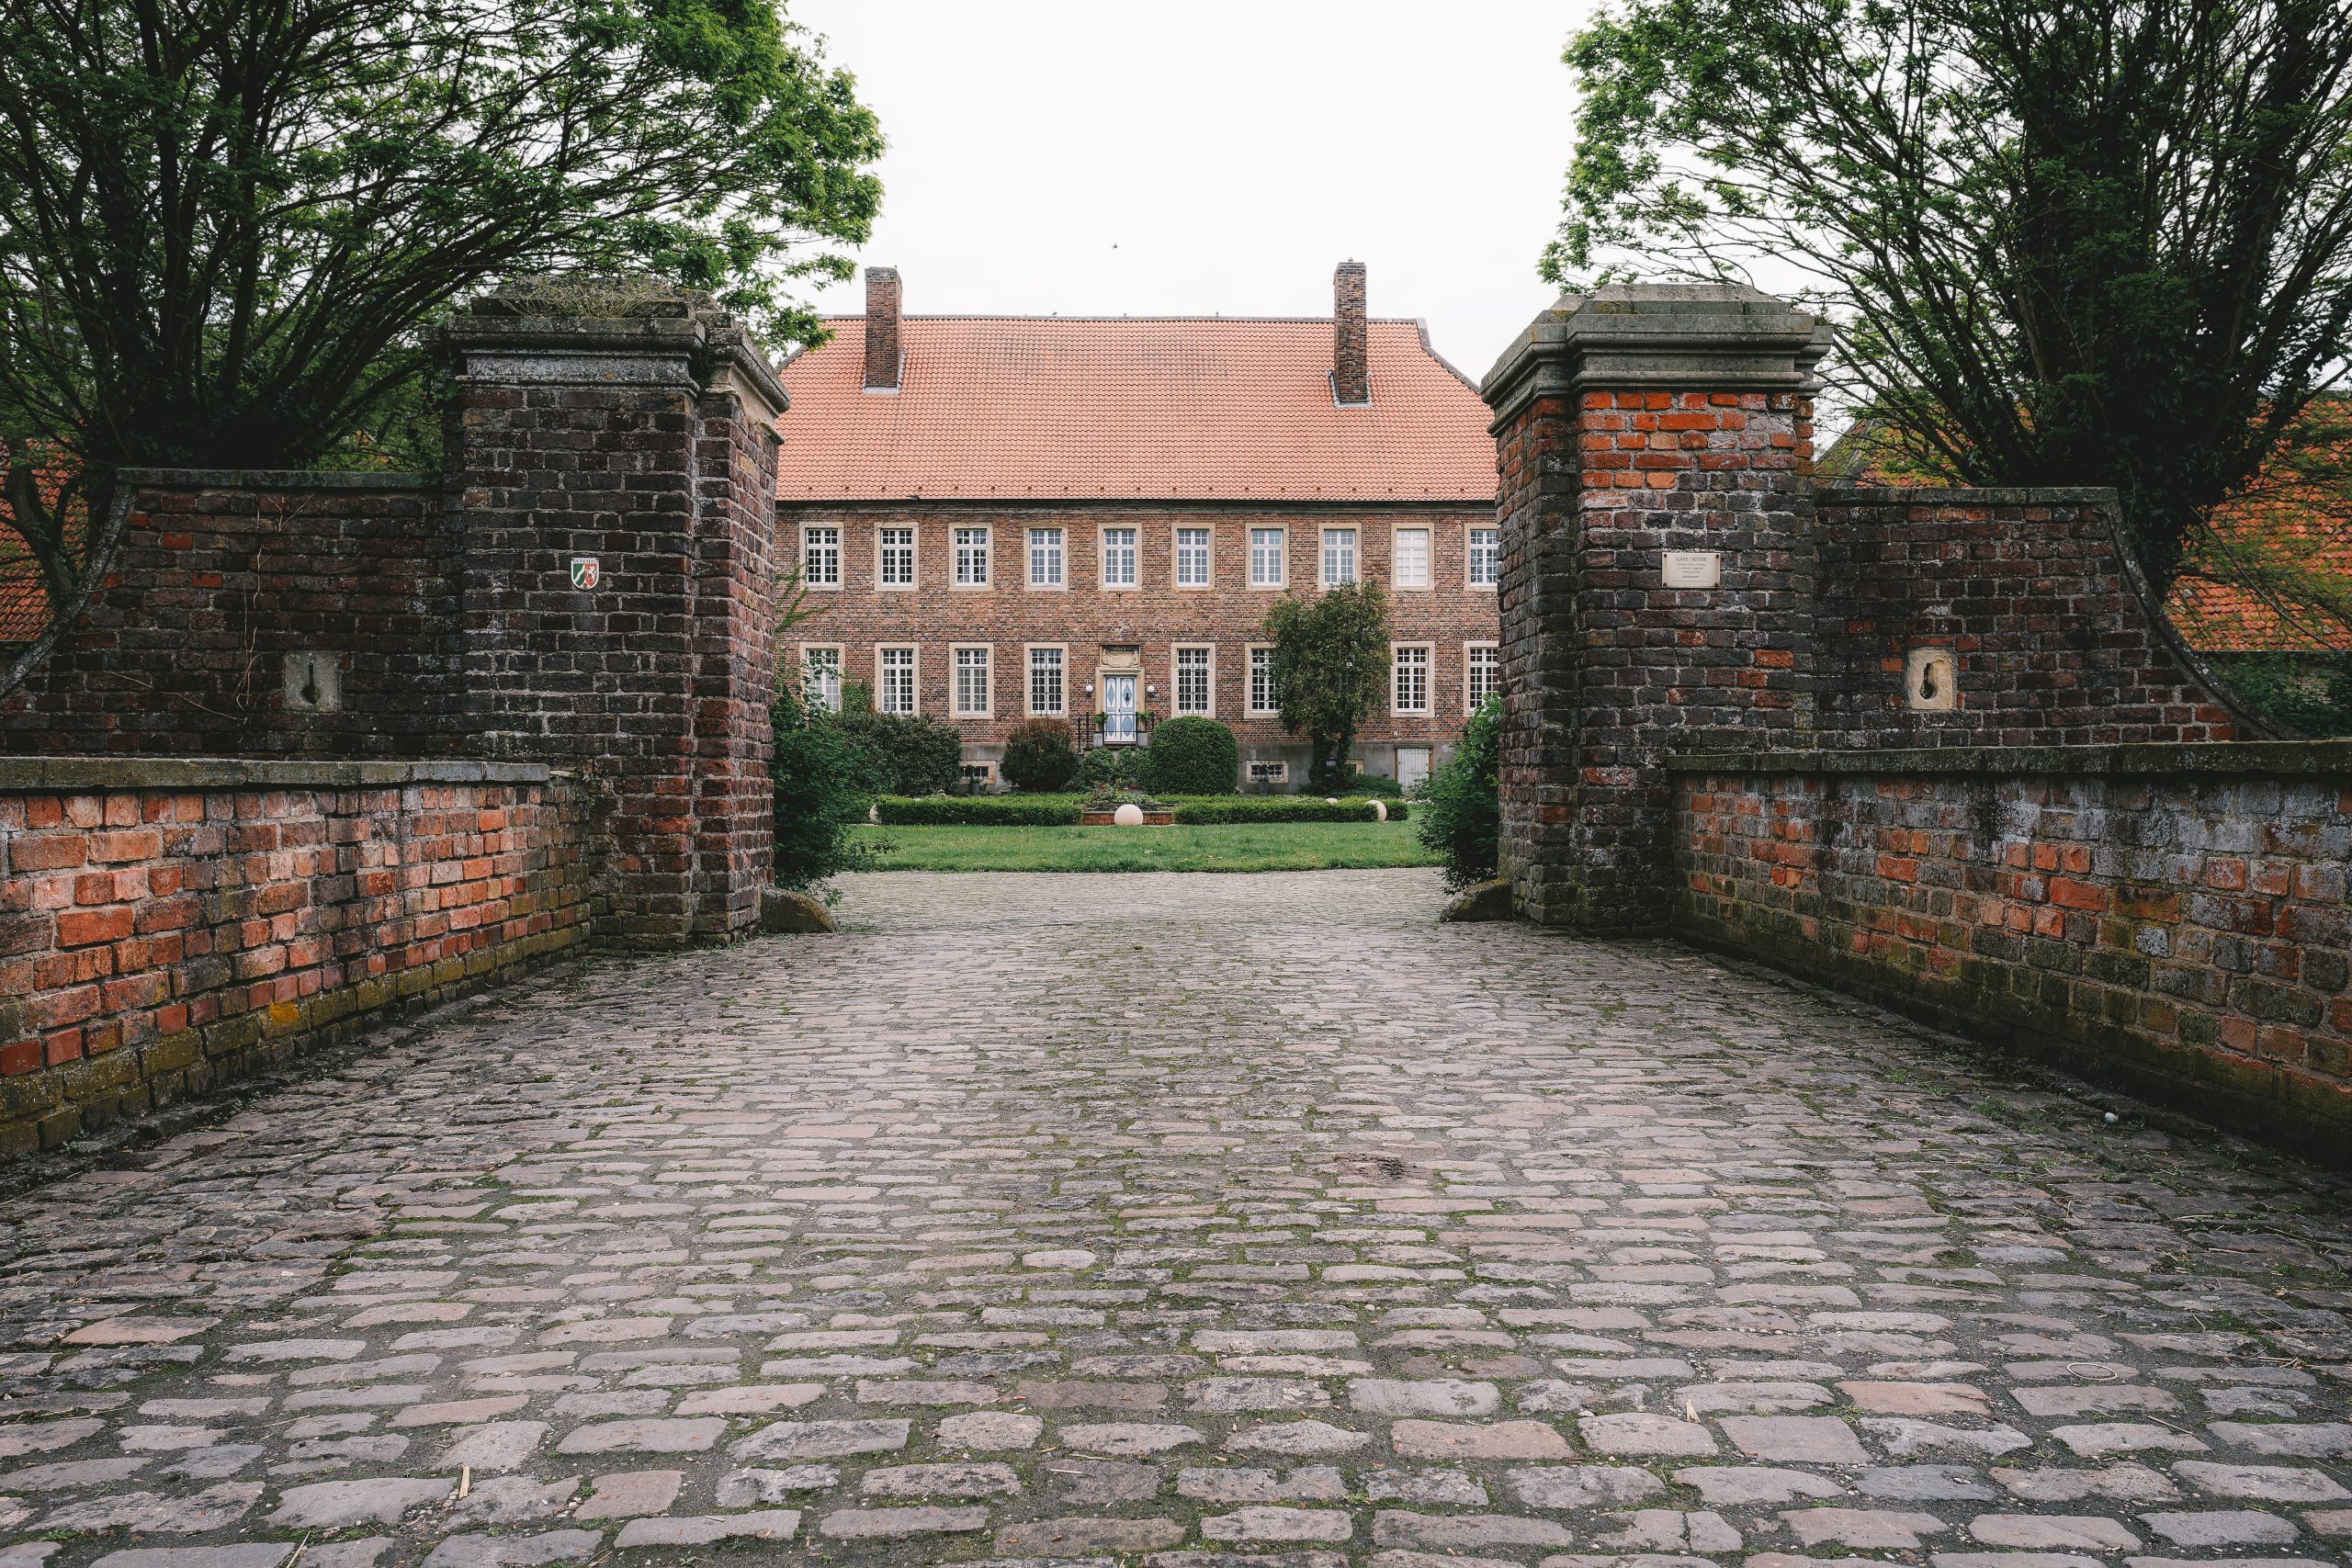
(1461, 812)
(1194, 756)
(1114, 767)
(1375, 785)
(975, 811)
(922, 755)
(1038, 756)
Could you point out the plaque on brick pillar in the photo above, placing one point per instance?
(1655, 511)
(611, 484)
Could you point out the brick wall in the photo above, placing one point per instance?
(166, 927)
(220, 577)
(2172, 921)
(2059, 641)
(1083, 617)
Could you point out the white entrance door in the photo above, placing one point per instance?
(1118, 710)
(1412, 764)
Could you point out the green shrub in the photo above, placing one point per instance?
(824, 781)
(1115, 767)
(922, 755)
(1038, 755)
(974, 811)
(1276, 809)
(1377, 786)
(1194, 756)
(1462, 803)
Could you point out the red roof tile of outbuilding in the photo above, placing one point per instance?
(1096, 408)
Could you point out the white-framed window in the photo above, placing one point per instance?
(1191, 558)
(1048, 690)
(1409, 678)
(1196, 682)
(820, 676)
(1269, 548)
(1118, 557)
(820, 555)
(1339, 557)
(1482, 673)
(971, 557)
(1485, 568)
(1410, 566)
(1269, 773)
(973, 687)
(1045, 557)
(895, 562)
(894, 679)
(1263, 698)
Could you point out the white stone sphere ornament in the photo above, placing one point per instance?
(1129, 816)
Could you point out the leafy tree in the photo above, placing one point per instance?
(916, 753)
(1330, 668)
(1461, 806)
(221, 222)
(824, 781)
(2071, 242)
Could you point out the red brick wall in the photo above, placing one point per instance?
(218, 576)
(169, 926)
(2058, 640)
(1157, 615)
(2173, 921)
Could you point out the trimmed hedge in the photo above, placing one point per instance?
(974, 811)
(1281, 809)
(1194, 756)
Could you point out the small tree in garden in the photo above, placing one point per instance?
(1331, 670)
(1038, 755)
(824, 781)
(1459, 812)
(1194, 756)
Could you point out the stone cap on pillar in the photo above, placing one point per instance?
(600, 332)
(1682, 337)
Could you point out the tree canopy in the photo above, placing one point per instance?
(2068, 241)
(1331, 670)
(222, 221)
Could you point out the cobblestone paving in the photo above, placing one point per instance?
(1194, 1221)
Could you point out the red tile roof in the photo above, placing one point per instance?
(1080, 408)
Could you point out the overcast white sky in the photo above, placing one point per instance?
(1117, 158)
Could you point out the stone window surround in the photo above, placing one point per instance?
(1429, 557)
(1060, 554)
(1397, 651)
(1102, 558)
(1176, 652)
(956, 546)
(836, 547)
(1281, 559)
(1250, 698)
(1029, 652)
(956, 668)
(914, 676)
(1470, 699)
(914, 557)
(1176, 558)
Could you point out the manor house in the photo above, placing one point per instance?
(1086, 518)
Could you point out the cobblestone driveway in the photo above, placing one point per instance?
(1200, 1220)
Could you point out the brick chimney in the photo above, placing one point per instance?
(1350, 361)
(882, 354)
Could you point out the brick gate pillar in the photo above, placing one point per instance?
(1655, 443)
(635, 432)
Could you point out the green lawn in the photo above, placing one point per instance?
(1304, 846)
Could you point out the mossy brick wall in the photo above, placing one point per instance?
(166, 928)
(2172, 921)
(218, 576)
